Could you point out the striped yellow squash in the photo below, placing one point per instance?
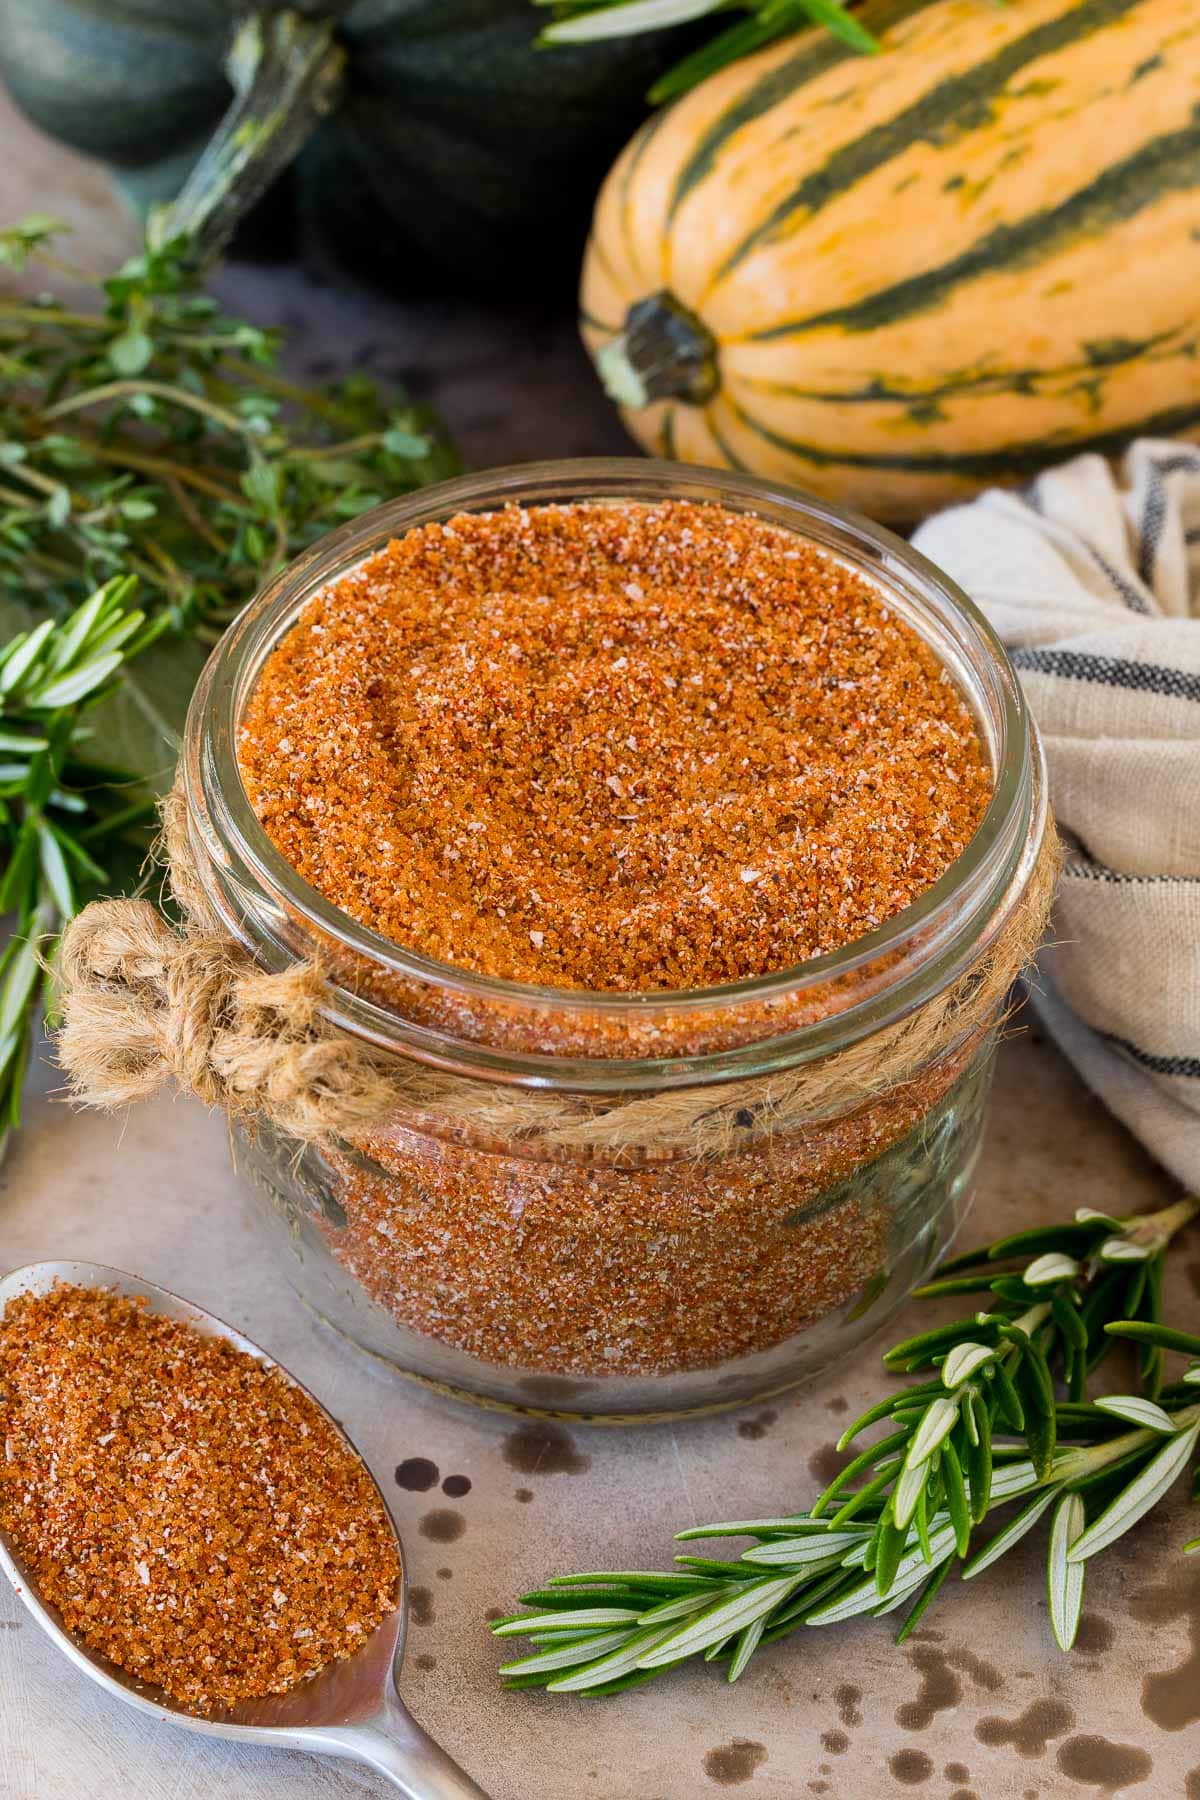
(896, 279)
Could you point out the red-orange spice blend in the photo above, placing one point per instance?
(192, 1513)
(629, 748)
(612, 747)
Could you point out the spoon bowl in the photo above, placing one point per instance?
(350, 1708)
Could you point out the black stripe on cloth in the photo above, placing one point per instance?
(1153, 519)
(1124, 590)
(1186, 1066)
(1081, 865)
(1111, 671)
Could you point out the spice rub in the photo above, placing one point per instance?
(190, 1511)
(612, 746)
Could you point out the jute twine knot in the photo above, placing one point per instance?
(144, 1004)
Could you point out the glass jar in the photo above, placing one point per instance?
(614, 1206)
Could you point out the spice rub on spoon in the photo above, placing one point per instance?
(194, 1531)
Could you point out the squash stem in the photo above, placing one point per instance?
(286, 73)
(664, 352)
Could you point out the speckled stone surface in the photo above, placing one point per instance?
(978, 1706)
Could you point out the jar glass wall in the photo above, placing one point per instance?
(613, 1205)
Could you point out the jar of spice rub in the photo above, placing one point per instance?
(666, 844)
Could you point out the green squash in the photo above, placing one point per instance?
(425, 138)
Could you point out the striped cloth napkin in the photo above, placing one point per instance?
(1093, 582)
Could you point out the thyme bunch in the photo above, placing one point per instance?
(146, 432)
(985, 1429)
(579, 21)
(147, 439)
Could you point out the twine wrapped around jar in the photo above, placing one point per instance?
(144, 1003)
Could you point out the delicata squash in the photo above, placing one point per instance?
(897, 279)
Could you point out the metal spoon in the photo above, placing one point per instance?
(349, 1708)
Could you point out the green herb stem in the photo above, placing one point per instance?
(988, 1431)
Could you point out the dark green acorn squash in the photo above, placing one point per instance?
(426, 138)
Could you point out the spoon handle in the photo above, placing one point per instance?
(406, 1756)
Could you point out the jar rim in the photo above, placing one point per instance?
(926, 945)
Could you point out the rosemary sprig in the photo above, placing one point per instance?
(985, 1430)
(145, 432)
(61, 808)
(577, 21)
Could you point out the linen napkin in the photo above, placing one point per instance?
(1092, 580)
